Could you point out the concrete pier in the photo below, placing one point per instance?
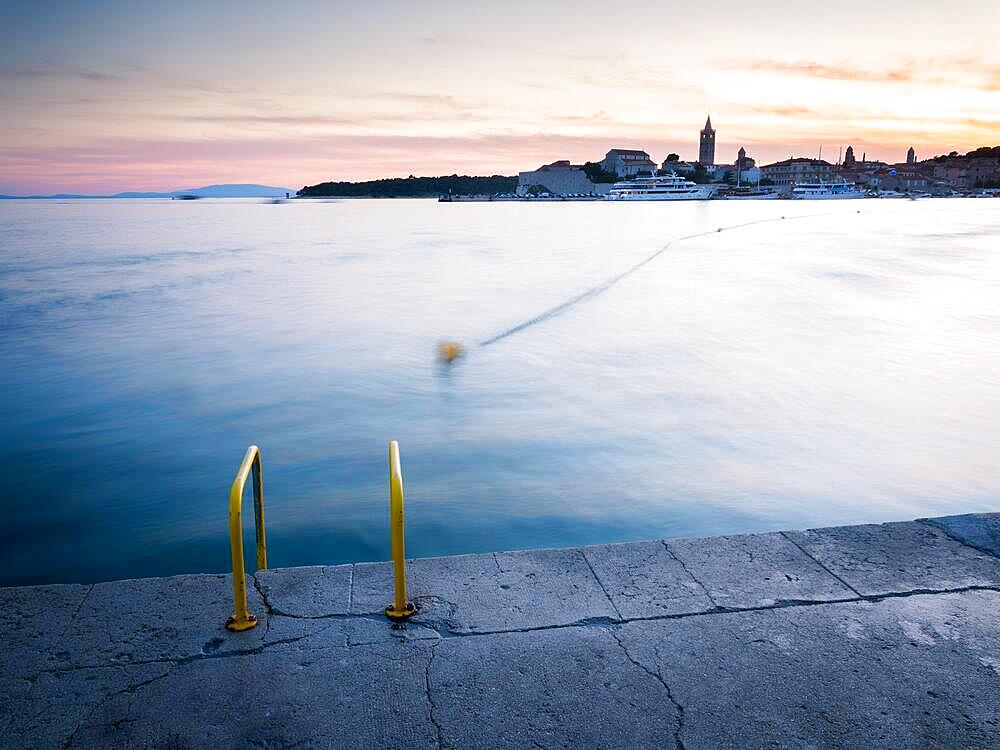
(853, 637)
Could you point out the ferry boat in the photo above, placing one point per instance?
(838, 189)
(667, 188)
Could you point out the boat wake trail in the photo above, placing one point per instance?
(605, 285)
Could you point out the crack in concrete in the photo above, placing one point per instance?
(806, 552)
(444, 631)
(273, 611)
(70, 739)
(678, 708)
(266, 603)
(76, 612)
(601, 584)
(684, 567)
(189, 659)
(430, 697)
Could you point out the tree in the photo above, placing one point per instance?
(597, 174)
(700, 175)
(414, 187)
(673, 157)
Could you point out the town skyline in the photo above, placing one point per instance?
(112, 97)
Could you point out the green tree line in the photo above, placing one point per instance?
(413, 187)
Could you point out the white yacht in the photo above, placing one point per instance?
(667, 188)
(826, 190)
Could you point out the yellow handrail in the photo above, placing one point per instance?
(242, 619)
(400, 608)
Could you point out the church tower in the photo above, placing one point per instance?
(911, 156)
(849, 160)
(706, 149)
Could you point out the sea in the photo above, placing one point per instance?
(629, 371)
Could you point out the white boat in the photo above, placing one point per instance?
(750, 193)
(838, 189)
(666, 188)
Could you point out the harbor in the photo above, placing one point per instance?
(859, 636)
(632, 175)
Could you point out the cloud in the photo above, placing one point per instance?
(635, 78)
(58, 70)
(126, 74)
(786, 110)
(974, 72)
(838, 72)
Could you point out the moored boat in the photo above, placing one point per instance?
(750, 193)
(664, 188)
(838, 189)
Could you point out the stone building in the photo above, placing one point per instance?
(706, 145)
(627, 162)
(744, 162)
(677, 167)
(793, 171)
(911, 156)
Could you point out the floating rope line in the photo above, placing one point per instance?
(605, 285)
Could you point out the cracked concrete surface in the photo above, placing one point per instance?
(871, 636)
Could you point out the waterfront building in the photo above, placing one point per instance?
(980, 168)
(743, 171)
(558, 178)
(743, 161)
(627, 162)
(790, 172)
(911, 156)
(678, 167)
(746, 167)
(706, 144)
(897, 178)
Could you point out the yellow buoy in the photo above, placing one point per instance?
(449, 351)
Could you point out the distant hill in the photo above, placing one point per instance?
(412, 187)
(209, 191)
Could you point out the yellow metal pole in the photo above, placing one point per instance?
(242, 619)
(400, 608)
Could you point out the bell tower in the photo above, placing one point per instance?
(706, 147)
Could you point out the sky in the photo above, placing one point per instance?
(106, 96)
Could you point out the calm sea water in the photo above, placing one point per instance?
(839, 366)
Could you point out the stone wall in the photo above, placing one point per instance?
(559, 180)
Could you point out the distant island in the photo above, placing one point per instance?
(412, 187)
(208, 191)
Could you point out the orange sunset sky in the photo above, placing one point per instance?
(108, 96)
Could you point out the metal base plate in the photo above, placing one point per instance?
(394, 614)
